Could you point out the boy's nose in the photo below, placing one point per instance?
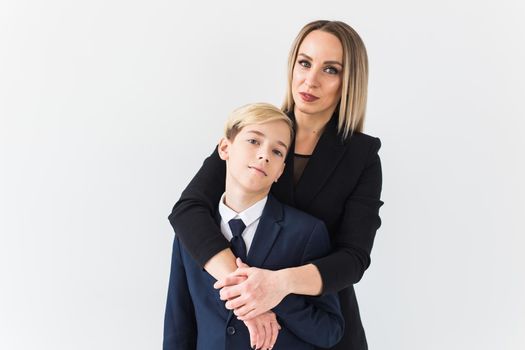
(264, 158)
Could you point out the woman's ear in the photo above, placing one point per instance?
(223, 148)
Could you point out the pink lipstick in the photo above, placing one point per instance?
(308, 97)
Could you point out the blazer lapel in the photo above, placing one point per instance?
(267, 232)
(265, 235)
(325, 158)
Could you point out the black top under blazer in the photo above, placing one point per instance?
(340, 185)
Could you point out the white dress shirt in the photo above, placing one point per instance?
(249, 216)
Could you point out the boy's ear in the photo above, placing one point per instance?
(223, 148)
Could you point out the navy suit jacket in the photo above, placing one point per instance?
(196, 318)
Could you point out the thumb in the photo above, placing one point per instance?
(240, 263)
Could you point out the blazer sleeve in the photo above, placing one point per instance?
(193, 216)
(315, 320)
(180, 326)
(354, 237)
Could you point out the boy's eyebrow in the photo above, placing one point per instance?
(325, 62)
(261, 134)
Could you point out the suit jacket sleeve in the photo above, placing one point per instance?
(180, 327)
(193, 215)
(354, 238)
(315, 320)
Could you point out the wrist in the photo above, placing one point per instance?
(285, 279)
(304, 280)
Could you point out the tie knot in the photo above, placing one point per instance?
(237, 226)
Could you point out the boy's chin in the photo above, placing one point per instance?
(257, 188)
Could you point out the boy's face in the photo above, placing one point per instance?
(255, 157)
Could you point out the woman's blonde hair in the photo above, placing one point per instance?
(354, 87)
(255, 113)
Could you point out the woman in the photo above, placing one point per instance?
(333, 172)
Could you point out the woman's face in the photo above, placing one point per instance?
(317, 74)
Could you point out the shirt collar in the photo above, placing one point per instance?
(248, 216)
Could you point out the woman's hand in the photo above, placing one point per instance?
(263, 330)
(251, 291)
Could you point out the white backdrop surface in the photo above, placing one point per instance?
(107, 109)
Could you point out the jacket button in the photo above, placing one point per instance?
(230, 330)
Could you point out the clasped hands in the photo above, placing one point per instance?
(251, 293)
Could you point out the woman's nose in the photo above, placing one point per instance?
(311, 79)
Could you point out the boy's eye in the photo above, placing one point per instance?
(253, 141)
(277, 153)
(304, 63)
(331, 70)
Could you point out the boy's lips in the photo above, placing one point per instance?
(258, 169)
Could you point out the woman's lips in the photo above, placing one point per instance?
(308, 97)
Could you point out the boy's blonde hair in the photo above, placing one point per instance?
(255, 113)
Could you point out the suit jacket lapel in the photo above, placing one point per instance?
(325, 158)
(266, 233)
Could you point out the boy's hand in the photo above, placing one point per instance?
(263, 330)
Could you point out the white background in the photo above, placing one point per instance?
(107, 109)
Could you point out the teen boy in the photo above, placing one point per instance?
(263, 233)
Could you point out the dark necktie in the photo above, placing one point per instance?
(237, 242)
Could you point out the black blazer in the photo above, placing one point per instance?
(197, 319)
(340, 185)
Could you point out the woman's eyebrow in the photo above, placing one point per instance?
(325, 62)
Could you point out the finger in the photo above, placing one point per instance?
(275, 332)
(236, 280)
(241, 271)
(251, 314)
(268, 334)
(227, 304)
(242, 310)
(229, 281)
(239, 303)
(261, 335)
(220, 283)
(240, 263)
(228, 293)
(253, 333)
(232, 278)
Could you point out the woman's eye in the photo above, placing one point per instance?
(331, 70)
(304, 63)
